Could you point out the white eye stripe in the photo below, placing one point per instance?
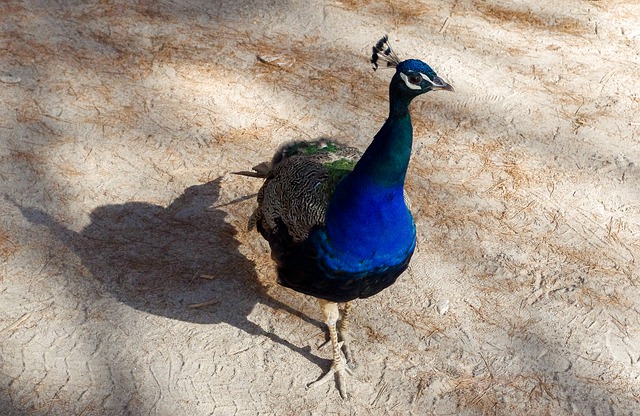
(409, 84)
(426, 78)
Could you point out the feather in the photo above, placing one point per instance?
(382, 51)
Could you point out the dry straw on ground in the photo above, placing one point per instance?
(131, 285)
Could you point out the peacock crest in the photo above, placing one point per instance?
(382, 51)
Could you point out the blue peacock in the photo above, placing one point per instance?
(336, 219)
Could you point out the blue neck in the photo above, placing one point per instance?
(367, 216)
(386, 159)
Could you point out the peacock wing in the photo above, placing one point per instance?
(298, 187)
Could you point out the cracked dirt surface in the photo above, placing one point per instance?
(129, 284)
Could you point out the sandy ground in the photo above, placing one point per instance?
(129, 284)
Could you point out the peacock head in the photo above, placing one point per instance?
(413, 77)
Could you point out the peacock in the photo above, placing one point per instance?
(336, 219)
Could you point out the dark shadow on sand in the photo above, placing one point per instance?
(153, 258)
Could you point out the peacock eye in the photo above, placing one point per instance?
(415, 79)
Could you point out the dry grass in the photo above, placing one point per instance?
(530, 19)
(400, 12)
(123, 109)
(306, 72)
(7, 247)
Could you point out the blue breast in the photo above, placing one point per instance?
(366, 243)
(368, 226)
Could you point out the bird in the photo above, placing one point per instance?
(336, 219)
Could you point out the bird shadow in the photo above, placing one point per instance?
(165, 261)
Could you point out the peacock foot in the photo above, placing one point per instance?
(346, 350)
(345, 335)
(340, 370)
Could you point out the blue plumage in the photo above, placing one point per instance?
(336, 220)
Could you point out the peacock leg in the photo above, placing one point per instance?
(331, 313)
(345, 335)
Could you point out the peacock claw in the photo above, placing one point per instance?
(340, 371)
(346, 350)
(351, 363)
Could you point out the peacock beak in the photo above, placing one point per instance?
(439, 84)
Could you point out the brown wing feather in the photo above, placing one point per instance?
(298, 187)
